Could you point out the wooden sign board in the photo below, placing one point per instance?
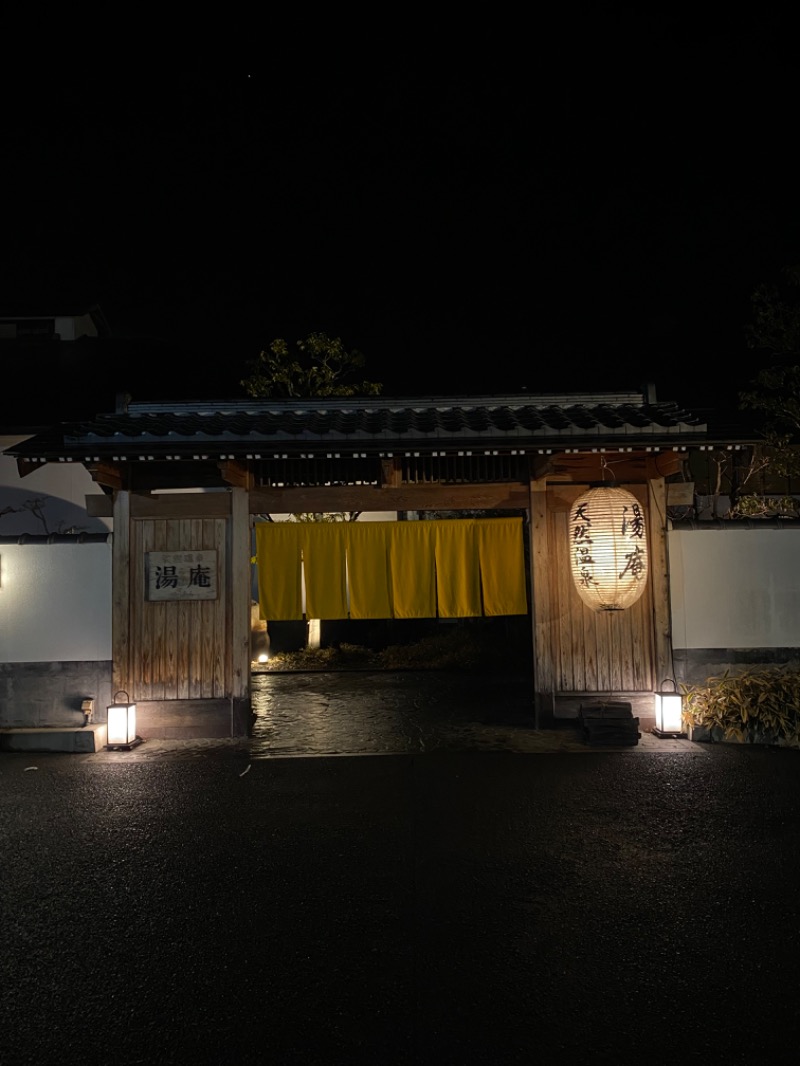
(181, 575)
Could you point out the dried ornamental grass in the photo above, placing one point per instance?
(756, 705)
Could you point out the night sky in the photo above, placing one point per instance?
(578, 203)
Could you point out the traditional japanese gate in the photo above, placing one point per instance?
(186, 658)
(184, 482)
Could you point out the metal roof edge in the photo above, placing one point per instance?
(55, 538)
(728, 524)
(524, 399)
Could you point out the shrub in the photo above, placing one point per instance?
(749, 706)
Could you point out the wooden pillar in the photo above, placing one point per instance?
(120, 595)
(659, 578)
(543, 675)
(239, 553)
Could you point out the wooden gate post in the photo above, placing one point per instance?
(120, 594)
(240, 595)
(659, 576)
(543, 677)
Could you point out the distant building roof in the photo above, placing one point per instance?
(67, 322)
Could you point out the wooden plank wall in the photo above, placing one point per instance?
(120, 595)
(610, 651)
(239, 551)
(199, 649)
(178, 650)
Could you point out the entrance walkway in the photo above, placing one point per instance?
(351, 713)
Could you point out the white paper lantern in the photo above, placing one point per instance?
(608, 548)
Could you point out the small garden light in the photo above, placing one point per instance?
(121, 723)
(259, 636)
(669, 709)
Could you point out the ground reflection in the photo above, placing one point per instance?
(390, 713)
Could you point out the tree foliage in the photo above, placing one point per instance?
(324, 516)
(321, 367)
(775, 333)
(774, 392)
(775, 328)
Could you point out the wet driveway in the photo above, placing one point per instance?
(204, 908)
(405, 712)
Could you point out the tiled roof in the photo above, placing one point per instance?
(55, 538)
(378, 424)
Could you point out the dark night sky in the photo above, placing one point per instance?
(580, 203)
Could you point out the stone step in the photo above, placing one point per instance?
(80, 739)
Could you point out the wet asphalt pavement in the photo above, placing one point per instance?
(221, 903)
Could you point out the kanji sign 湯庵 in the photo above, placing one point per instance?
(181, 575)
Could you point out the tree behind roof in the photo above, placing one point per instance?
(322, 367)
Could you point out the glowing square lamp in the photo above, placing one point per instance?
(122, 724)
(669, 707)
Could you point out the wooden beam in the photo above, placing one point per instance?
(392, 472)
(181, 505)
(543, 668)
(662, 464)
(659, 580)
(501, 496)
(25, 467)
(237, 474)
(540, 466)
(165, 505)
(240, 572)
(621, 466)
(120, 596)
(108, 474)
(497, 496)
(567, 469)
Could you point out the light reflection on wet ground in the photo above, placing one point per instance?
(406, 713)
(389, 713)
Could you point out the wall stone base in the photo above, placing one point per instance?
(694, 666)
(40, 695)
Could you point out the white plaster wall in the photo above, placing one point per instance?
(65, 486)
(735, 588)
(55, 602)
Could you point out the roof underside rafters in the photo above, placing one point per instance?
(380, 443)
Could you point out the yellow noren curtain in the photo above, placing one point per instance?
(456, 568)
(413, 569)
(278, 551)
(324, 569)
(368, 569)
(458, 579)
(501, 558)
